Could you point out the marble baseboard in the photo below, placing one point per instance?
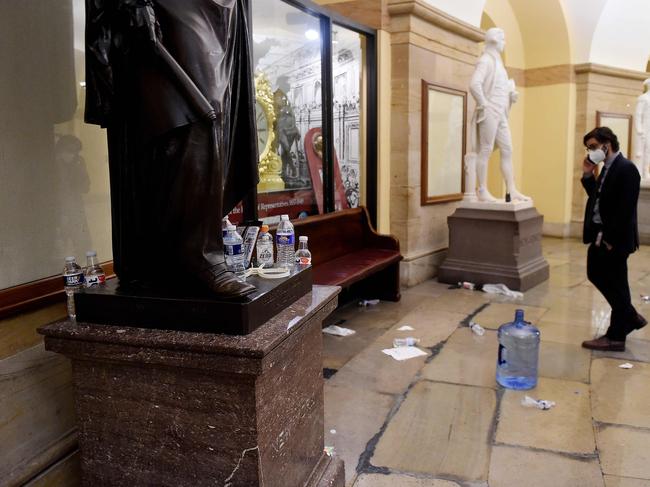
(415, 270)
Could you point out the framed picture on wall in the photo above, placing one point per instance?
(443, 143)
(621, 125)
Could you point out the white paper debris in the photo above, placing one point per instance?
(477, 329)
(333, 432)
(404, 353)
(405, 342)
(542, 404)
(501, 289)
(369, 302)
(645, 298)
(338, 331)
(626, 365)
(406, 328)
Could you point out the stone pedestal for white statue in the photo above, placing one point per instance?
(495, 243)
(643, 211)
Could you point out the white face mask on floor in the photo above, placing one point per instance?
(596, 156)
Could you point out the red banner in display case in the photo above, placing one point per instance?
(298, 203)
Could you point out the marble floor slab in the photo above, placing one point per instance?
(441, 430)
(624, 451)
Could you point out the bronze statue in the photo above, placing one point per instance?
(172, 82)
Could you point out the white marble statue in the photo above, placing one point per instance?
(642, 132)
(494, 94)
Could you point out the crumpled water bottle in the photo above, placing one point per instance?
(518, 354)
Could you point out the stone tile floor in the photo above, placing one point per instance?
(442, 421)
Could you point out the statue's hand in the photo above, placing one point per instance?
(514, 96)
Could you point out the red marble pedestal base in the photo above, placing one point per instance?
(172, 408)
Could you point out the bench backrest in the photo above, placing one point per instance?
(334, 234)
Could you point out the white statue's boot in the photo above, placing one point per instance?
(506, 169)
(485, 196)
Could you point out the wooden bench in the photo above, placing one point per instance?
(348, 252)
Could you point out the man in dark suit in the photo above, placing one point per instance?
(610, 229)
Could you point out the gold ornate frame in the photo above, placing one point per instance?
(270, 164)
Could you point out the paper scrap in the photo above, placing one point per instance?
(502, 289)
(404, 353)
(542, 404)
(477, 329)
(368, 302)
(338, 331)
(333, 432)
(645, 298)
(626, 365)
(406, 328)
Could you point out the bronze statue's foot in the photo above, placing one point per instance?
(224, 284)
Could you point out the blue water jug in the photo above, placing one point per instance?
(518, 354)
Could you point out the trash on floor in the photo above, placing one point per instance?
(626, 365)
(333, 432)
(466, 285)
(477, 329)
(542, 404)
(404, 353)
(406, 342)
(368, 302)
(338, 331)
(645, 298)
(329, 450)
(406, 328)
(501, 289)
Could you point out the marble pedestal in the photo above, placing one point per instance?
(498, 243)
(643, 211)
(174, 408)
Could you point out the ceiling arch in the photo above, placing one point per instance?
(622, 35)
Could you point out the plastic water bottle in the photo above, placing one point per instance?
(94, 275)
(73, 280)
(285, 240)
(233, 246)
(518, 354)
(224, 226)
(265, 248)
(303, 255)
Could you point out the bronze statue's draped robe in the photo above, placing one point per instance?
(174, 173)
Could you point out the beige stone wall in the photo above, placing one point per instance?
(426, 45)
(605, 89)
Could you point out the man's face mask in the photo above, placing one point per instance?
(597, 155)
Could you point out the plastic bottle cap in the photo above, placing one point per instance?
(91, 253)
(231, 227)
(284, 218)
(265, 228)
(303, 238)
(69, 259)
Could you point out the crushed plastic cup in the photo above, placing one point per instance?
(467, 285)
(368, 302)
(542, 404)
(405, 342)
(477, 329)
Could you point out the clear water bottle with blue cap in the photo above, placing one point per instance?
(518, 354)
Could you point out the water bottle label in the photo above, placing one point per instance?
(235, 249)
(95, 280)
(285, 239)
(303, 260)
(502, 355)
(265, 256)
(72, 280)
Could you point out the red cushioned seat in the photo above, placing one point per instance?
(355, 266)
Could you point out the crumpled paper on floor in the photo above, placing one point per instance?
(542, 404)
(404, 353)
(501, 289)
(406, 328)
(338, 331)
(626, 365)
(368, 302)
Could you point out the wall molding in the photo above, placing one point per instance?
(568, 73)
(428, 13)
(586, 68)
